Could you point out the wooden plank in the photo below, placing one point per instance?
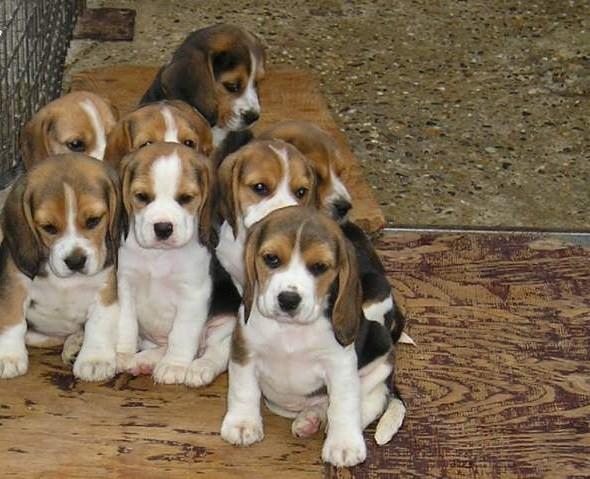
(286, 93)
(105, 24)
(499, 385)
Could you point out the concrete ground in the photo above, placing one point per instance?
(461, 113)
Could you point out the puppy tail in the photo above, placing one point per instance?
(231, 143)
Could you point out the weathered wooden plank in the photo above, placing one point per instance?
(105, 24)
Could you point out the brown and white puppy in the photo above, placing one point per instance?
(328, 162)
(77, 122)
(327, 159)
(57, 265)
(260, 177)
(165, 264)
(216, 70)
(171, 121)
(302, 342)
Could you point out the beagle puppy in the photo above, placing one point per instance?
(165, 264)
(57, 265)
(77, 122)
(216, 70)
(328, 163)
(327, 160)
(260, 177)
(171, 121)
(303, 344)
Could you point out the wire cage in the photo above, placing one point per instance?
(34, 37)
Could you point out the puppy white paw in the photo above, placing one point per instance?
(72, 346)
(95, 366)
(13, 364)
(242, 431)
(308, 422)
(390, 421)
(202, 372)
(168, 372)
(344, 450)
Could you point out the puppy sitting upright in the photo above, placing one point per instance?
(57, 265)
(216, 70)
(302, 342)
(77, 122)
(164, 263)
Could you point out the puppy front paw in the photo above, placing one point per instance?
(202, 372)
(169, 372)
(242, 431)
(344, 449)
(71, 347)
(95, 367)
(13, 364)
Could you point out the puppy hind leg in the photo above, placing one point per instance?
(310, 420)
(391, 420)
(373, 403)
(40, 340)
(72, 346)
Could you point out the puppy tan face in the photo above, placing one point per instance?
(77, 122)
(65, 211)
(298, 266)
(261, 177)
(166, 121)
(323, 152)
(166, 193)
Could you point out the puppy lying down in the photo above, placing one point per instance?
(303, 344)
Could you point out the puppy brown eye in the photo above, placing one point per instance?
(93, 222)
(189, 143)
(318, 268)
(232, 87)
(184, 199)
(260, 189)
(76, 145)
(271, 260)
(142, 197)
(145, 144)
(49, 229)
(301, 192)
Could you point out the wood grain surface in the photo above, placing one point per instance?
(286, 93)
(497, 387)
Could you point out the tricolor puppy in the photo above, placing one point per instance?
(77, 122)
(327, 160)
(259, 178)
(57, 265)
(216, 70)
(165, 262)
(166, 121)
(329, 164)
(302, 342)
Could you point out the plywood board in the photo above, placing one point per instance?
(286, 93)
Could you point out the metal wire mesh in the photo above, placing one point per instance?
(34, 36)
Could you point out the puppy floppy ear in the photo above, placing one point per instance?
(228, 176)
(207, 236)
(250, 253)
(346, 311)
(34, 139)
(126, 173)
(19, 230)
(191, 80)
(116, 219)
(118, 144)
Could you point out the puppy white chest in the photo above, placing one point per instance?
(291, 359)
(59, 306)
(161, 280)
(230, 252)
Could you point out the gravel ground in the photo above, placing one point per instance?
(461, 113)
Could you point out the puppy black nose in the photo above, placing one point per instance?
(75, 261)
(163, 230)
(250, 117)
(341, 207)
(288, 301)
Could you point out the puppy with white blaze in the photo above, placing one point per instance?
(165, 262)
(58, 283)
(303, 344)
